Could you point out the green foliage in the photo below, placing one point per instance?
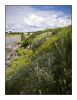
(19, 62)
(22, 36)
(21, 51)
(26, 42)
(48, 70)
(40, 39)
(15, 65)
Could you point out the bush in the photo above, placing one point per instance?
(26, 42)
(22, 36)
(40, 39)
(21, 51)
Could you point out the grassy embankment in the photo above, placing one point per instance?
(44, 65)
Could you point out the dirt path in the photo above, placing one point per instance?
(11, 53)
(14, 49)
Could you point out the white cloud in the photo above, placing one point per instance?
(29, 19)
(33, 20)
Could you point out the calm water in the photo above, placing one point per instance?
(10, 40)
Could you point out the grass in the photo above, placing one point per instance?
(12, 35)
(47, 70)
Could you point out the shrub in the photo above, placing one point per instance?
(40, 39)
(21, 51)
(26, 42)
(22, 36)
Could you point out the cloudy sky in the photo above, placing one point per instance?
(34, 18)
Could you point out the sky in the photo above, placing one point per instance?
(35, 18)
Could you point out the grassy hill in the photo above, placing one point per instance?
(44, 65)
